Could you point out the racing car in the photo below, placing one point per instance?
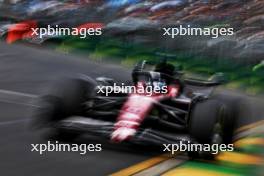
(187, 111)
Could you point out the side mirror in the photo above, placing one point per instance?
(218, 78)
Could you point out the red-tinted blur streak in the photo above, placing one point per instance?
(21, 30)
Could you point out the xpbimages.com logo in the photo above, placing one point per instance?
(190, 147)
(181, 30)
(83, 32)
(60, 147)
(147, 90)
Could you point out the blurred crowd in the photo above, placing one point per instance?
(245, 16)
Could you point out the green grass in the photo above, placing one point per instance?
(240, 75)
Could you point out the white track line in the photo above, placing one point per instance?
(13, 122)
(18, 103)
(19, 98)
(17, 93)
(162, 167)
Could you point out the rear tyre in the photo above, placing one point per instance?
(65, 99)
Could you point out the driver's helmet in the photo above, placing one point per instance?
(162, 74)
(165, 68)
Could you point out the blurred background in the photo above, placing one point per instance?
(132, 31)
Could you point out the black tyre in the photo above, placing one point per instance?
(232, 106)
(65, 99)
(205, 121)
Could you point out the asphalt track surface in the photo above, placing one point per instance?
(26, 72)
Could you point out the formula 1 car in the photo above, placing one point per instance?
(184, 109)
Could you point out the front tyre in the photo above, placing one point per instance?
(205, 120)
(205, 125)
